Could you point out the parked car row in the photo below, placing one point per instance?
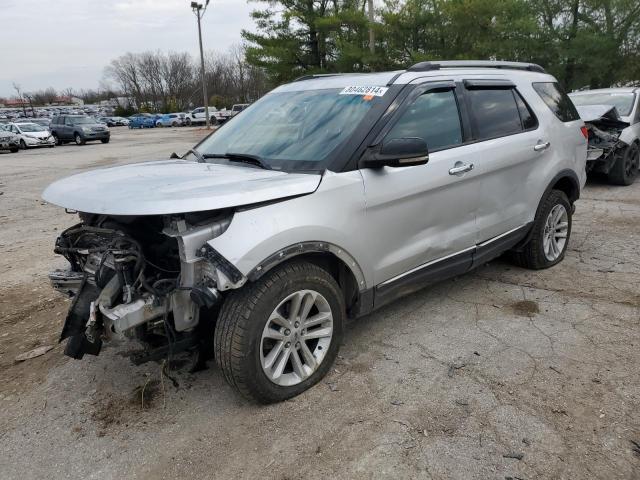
(28, 113)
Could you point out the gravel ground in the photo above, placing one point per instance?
(500, 374)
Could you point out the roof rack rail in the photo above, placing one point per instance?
(316, 75)
(427, 66)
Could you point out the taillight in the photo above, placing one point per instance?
(585, 132)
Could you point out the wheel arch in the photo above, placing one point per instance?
(332, 258)
(566, 181)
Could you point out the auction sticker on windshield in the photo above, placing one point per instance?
(364, 90)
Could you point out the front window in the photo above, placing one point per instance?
(433, 117)
(621, 100)
(292, 130)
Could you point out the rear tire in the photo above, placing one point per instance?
(57, 139)
(550, 234)
(625, 170)
(242, 344)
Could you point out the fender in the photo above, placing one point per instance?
(309, 247)
(570, 185)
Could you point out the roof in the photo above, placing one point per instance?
(447, 69)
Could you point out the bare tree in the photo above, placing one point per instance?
(18, 90)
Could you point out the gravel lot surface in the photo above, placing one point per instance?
(500, 374)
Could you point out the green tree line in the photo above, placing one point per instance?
(584, 43)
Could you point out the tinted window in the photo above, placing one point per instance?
(433, 117)
(557, 101)
(495, 112)
(526, 115)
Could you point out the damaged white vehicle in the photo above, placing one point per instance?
(328, 198)
(612, 116)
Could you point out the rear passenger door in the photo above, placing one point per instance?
(510, 150)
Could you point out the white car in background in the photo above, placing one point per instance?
(612, 117)
(198, 116)
(224, 115)
(32, 135)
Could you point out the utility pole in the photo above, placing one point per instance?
(372, 39)
(198, 10)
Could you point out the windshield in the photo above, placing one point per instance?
(291, 130)
(31, 127)
(622, 101)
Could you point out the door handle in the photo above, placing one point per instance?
(461, 169)
(541, 146)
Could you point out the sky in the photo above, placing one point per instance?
(67, 43)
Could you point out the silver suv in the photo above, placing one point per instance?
(328, 198)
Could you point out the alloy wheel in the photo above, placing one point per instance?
(554, 238)
(632, 160)
(296, 338)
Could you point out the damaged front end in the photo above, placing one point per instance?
(151, 277)
(604, 127)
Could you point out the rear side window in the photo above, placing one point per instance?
(495, 112)
(433, 117)
(529, 121)
(558, 101)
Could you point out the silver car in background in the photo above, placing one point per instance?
(326, 199)
(612, 116)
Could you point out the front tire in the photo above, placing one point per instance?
(550, 234)
(23, 145)
(14, 149)
(104, 140)
(278, 336)
(625, 170)
(78, 139)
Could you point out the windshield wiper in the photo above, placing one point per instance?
(197, 154)
(241, 158)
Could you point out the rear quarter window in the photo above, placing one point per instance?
(557, 100)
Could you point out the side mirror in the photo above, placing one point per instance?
(398, 152)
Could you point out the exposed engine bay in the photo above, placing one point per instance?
(151, 277)
(604, 127)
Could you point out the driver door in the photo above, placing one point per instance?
(421, 220)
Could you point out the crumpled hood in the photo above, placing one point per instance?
(592, 113)
(174, 186)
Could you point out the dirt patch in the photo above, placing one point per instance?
(109, 411)
(30, 316)
(525, 308)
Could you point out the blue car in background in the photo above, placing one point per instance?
(142, 120)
